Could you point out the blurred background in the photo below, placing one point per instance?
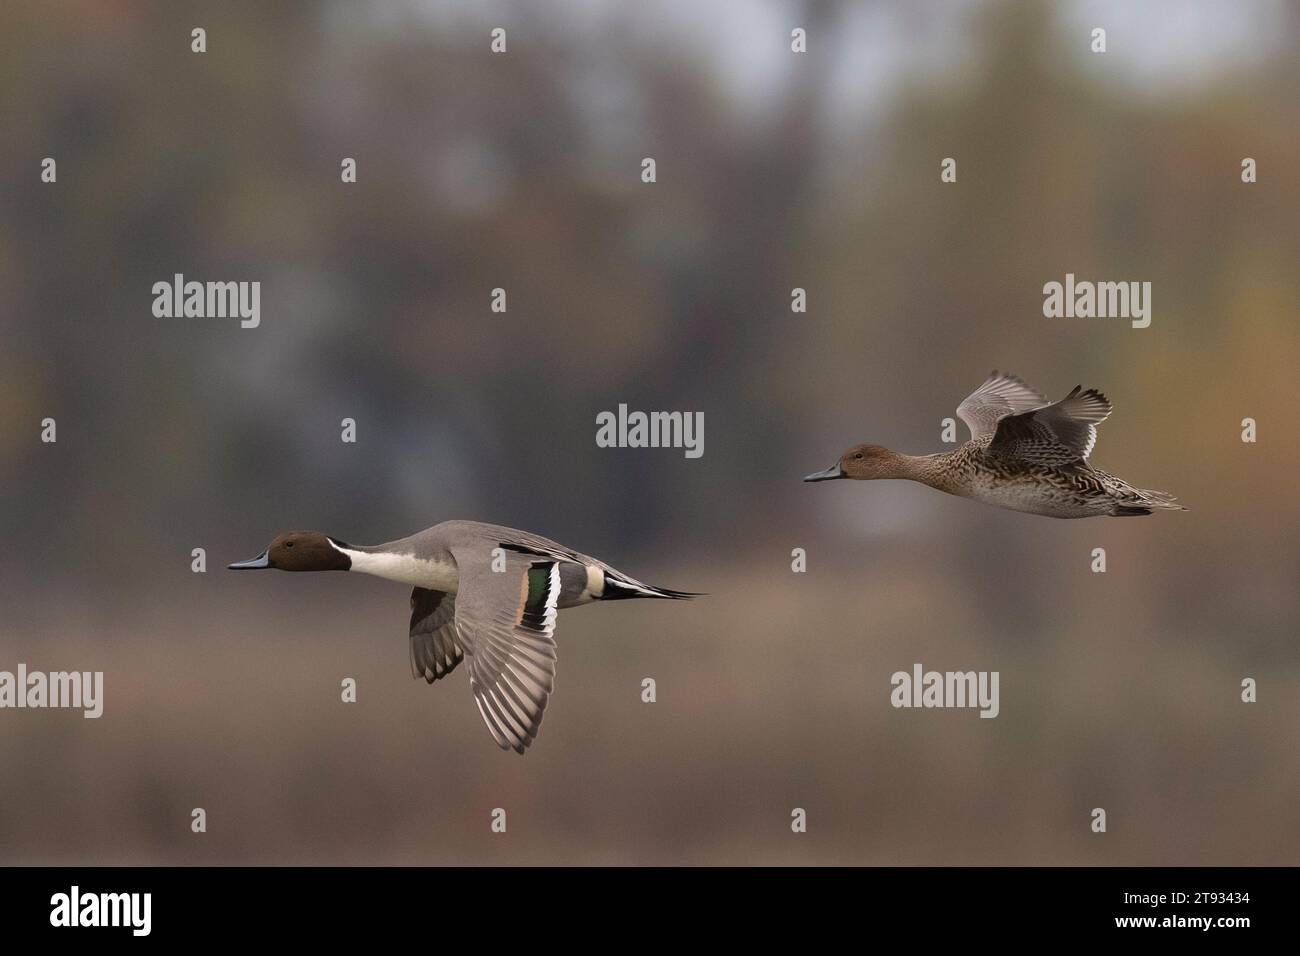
(522, 171)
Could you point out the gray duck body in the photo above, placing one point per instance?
(482, 593)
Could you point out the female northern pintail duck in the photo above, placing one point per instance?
(480, 590)
(1024, 454)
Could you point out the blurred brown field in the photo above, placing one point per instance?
(1118, 690)
(764, 704)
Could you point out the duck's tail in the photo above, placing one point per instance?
(619, 587)
(1145, 501)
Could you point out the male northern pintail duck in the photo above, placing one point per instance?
(482, 591)
(1024, 454)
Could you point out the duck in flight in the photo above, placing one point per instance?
(481, 591)
(1024, 453)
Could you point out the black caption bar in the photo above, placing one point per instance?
(93, 905)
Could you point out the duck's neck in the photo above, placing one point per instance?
(927, 469)
(396, 564)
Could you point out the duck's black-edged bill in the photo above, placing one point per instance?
(834, 471)
(261, 561)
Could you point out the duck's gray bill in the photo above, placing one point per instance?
(834, 471)
(261, 561)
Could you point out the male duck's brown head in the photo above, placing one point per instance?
(300, 551)
(863, 462)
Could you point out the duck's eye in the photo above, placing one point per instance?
(858, 455)
(289, 544)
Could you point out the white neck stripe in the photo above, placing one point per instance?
(405, 568)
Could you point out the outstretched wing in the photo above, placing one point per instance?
(435, 652)
(1001, 395)
(1059, 434)
(505, 620)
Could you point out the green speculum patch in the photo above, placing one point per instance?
(537, 582)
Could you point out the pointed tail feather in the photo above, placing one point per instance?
(618, 590)
(1160, 500)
